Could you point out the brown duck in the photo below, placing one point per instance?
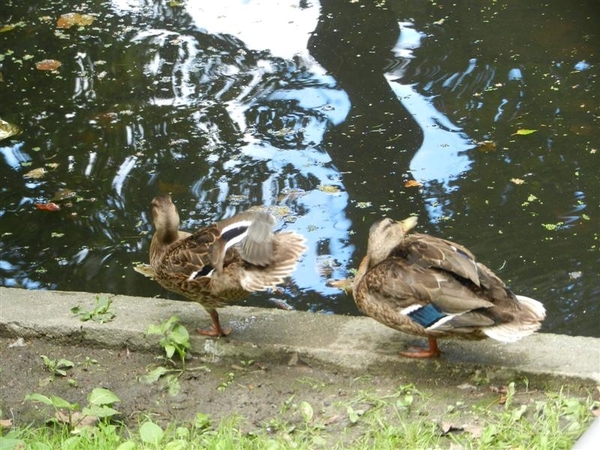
(223, 262)
(431, 287)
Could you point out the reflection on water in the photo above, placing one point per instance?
(320, 111)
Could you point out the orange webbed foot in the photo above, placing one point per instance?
(419, 352)
(212, 332)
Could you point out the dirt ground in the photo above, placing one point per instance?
(261, 392)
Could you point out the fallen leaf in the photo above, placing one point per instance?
(485, 146)
(47, 206)
(48, 64)
(8, 129)
(280, 303)
(475, 430)
(450, 428)
(5, 423)
(63, 194)
(328, 188)
(35, 173)
(523, 132)
(333, 419)
(76, 419)
(413, 183)
(20, 342)
(71, 19)
(517, 180)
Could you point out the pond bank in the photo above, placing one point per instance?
(348, 343)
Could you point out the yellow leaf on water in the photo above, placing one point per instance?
(35, 173)
(71, 19)
(413, 183)
(48, 64)
(328, 188)
(486, 146)
(8, 129)
(523, 132)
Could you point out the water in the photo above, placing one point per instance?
(320, 110)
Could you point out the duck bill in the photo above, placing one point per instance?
(408, 224)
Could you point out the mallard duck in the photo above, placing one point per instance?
(223, 262)
(431, 287)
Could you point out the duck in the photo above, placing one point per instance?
(221, 263)
(435, 288)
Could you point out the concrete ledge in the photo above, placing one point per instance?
(351, 343)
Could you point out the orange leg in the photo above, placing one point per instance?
(215, 330)
(418, 352)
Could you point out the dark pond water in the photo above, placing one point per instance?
(320, 110)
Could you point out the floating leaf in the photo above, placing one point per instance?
(48, 64)
(63, 194)
(413, 183)
(8, 129)
(47, 207)
(486, 146)
(328, 188)
(552, 226)
(71, 19)
(523, 132)
(517, 180)
(35, 173)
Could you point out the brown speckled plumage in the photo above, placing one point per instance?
(431, 287)
(201, 267)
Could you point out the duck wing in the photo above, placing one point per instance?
(190, 256)
(421, 297)
(432, 252)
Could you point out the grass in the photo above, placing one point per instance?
(406, 419)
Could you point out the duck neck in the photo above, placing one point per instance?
(168, 232)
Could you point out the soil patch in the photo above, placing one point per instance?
(262, 393)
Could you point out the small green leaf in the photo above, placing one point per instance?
(154, 329)
(151, 433)
(129, 445)
(64, 364)
(169, 350)
(154, 375)
(202, 421)
(352, 414)
(59, 402)
(173, 385)
(523, 132)
(180, 335)
(99, 411)
(38, 398)
(307, 411)
(101, 396)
